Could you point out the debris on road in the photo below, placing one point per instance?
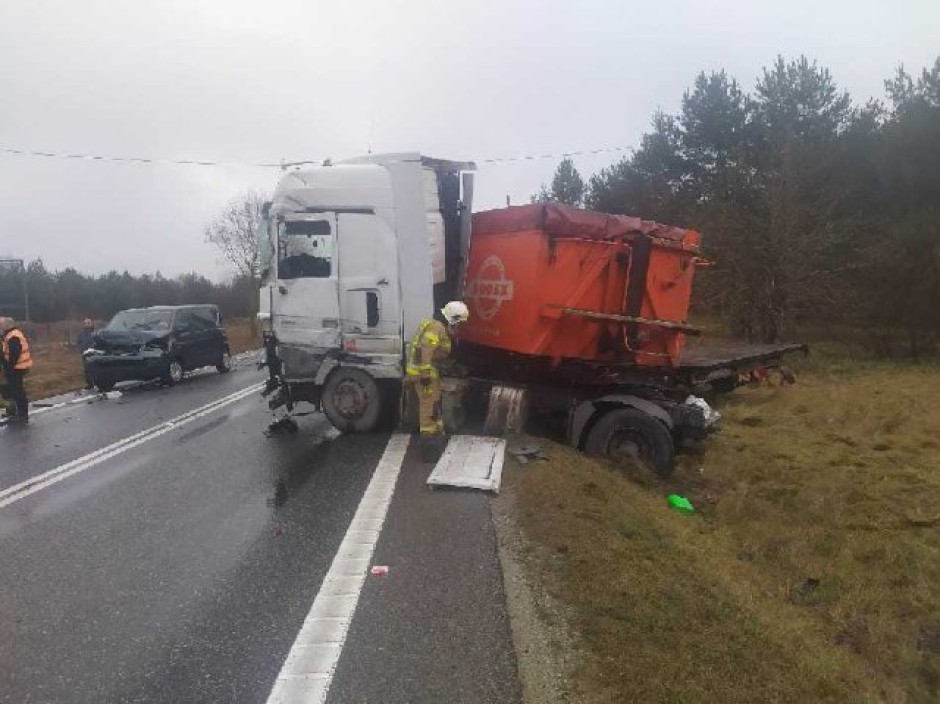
(281, 425)
(470, 462)
(527, 452)
(379, 570)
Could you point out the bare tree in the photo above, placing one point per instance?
(235, 233)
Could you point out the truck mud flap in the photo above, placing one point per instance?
(470, 462)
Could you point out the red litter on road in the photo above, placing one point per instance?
(380, 570)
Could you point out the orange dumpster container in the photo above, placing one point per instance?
(551, 281)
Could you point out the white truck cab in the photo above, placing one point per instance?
(354, 255)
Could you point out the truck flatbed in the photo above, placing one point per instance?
(718, 364)
(706, 364)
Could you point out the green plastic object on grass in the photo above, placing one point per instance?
(680, 503)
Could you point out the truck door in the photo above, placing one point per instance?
(368, 283)
(305, 301)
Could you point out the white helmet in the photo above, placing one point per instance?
(456, 312)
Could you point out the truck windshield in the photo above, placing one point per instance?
(149, 320)
(305, 250)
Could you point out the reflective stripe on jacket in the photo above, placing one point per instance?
(25, 360)
(429, 345)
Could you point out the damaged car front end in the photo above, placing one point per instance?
(126, 356)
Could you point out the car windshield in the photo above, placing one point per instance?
(149, 320)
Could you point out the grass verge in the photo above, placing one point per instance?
(811, 571)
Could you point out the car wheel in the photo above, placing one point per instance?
(629, 435)
(225, 362)
(351, 401)
(104, 385)
(174, 373)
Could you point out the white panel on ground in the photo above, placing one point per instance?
(470, 462)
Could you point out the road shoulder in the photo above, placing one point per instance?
(546, 650)
(435, 627)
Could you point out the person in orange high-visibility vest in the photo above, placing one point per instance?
(17, 360)
(429, 348)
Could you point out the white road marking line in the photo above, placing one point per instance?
(89, 399)
(53, 476)
(44, 406)
(308, 670)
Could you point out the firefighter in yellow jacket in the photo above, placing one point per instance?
(429, 348)
(17, 360)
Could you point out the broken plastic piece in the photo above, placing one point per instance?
(380, 570)
(526, 452)
(712, 416)
(680, 503)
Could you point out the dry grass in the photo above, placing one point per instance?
(57, 368)
(242, 335)
(811, 571)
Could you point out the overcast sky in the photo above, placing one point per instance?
(236, 81)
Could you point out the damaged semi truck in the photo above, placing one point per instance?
(576, 318)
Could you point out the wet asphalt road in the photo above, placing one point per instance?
(181, 569)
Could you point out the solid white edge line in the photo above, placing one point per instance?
(308, 670)
(53, 476)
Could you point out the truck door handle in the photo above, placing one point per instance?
(382, 282)
(283, 289)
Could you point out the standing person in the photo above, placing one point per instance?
(17, 360)
(85, 340)
(429, 348)
(271, 361)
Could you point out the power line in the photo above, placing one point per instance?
(563, 155)
(281, 164)
(131, 159)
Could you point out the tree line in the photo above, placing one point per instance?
(69, 294)
(813, 209)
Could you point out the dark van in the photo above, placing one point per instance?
(161, 342)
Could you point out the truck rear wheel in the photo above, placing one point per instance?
(351, 401)
(626, 434)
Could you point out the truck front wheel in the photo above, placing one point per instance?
(351, 401)
(626, 434)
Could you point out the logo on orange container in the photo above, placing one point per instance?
(490, 288)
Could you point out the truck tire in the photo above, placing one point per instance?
(351, 400)
(625, 434)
